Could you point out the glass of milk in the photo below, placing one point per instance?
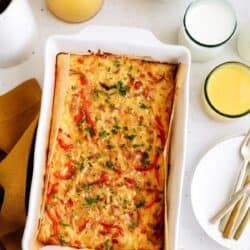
(207, 26)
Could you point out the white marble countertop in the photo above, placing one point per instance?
(163, 17)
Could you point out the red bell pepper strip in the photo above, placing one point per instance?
(54, 223)
(84, 110)
(63, 145)
(103, 179)
(83, 79)
(76, 244)
(155, 78)
(109, 227)
(161, 130)
(155, 200)
(83, 225)
(70, 202)
(79, 117)
(137, 85)
(70, 171)
(58, 216)
(130, 182)
(157, 176)
(52, 189)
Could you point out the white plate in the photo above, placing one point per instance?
(212, 184)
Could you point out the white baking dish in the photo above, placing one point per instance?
(117, 40)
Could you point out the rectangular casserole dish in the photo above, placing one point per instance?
(122, 41)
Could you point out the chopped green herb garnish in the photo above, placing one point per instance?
(132, 226)
(159, 149)
(125, 128)
(69, 156)
(122, 89)
(130, 67)
(116, 127)
(114, 131)
(117, 63)
(80, 165)
(111, 105)
(131, 137)
(78, 140)
(92, 200)
(140, 204)
(90, 131)
(62, 239)
(107, 245)
(140, 122)
(96, 94)
(137, 145)
(99, 156)
(64, 224)
(104, 134)
(143, 106)
(109, 165)
(145, 159)
(85, 186)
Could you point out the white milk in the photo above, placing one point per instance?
(207, 26)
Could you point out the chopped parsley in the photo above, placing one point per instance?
(143, 106)
(125, 128)
(140, 204)
(115, 129)
(111, 105)
(85, 186)
(121, 88)
(104, 133)
(109, 165)
(64, 224)
(92, 200)
(117, 63)
(141, 123)
(107, 245)
(131, 137)
(62, 239)
(90, 131)
(96, 94)
(137, 145)
(80, 165)
(145, 159)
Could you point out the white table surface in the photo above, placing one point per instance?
(163, 17)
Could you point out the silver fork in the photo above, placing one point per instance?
(245, 153)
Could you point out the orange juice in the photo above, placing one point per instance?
(227, 90)
(74, 10)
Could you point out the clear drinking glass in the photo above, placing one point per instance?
(207, 26)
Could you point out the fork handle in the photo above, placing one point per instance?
(238, 186)
(242, 176)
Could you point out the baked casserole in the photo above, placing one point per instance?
(107, 157)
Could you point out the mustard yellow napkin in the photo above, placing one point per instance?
(19, 111)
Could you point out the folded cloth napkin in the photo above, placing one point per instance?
(19, 111)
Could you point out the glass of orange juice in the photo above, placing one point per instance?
(74, 11)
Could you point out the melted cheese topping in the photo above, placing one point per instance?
(106, 177)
